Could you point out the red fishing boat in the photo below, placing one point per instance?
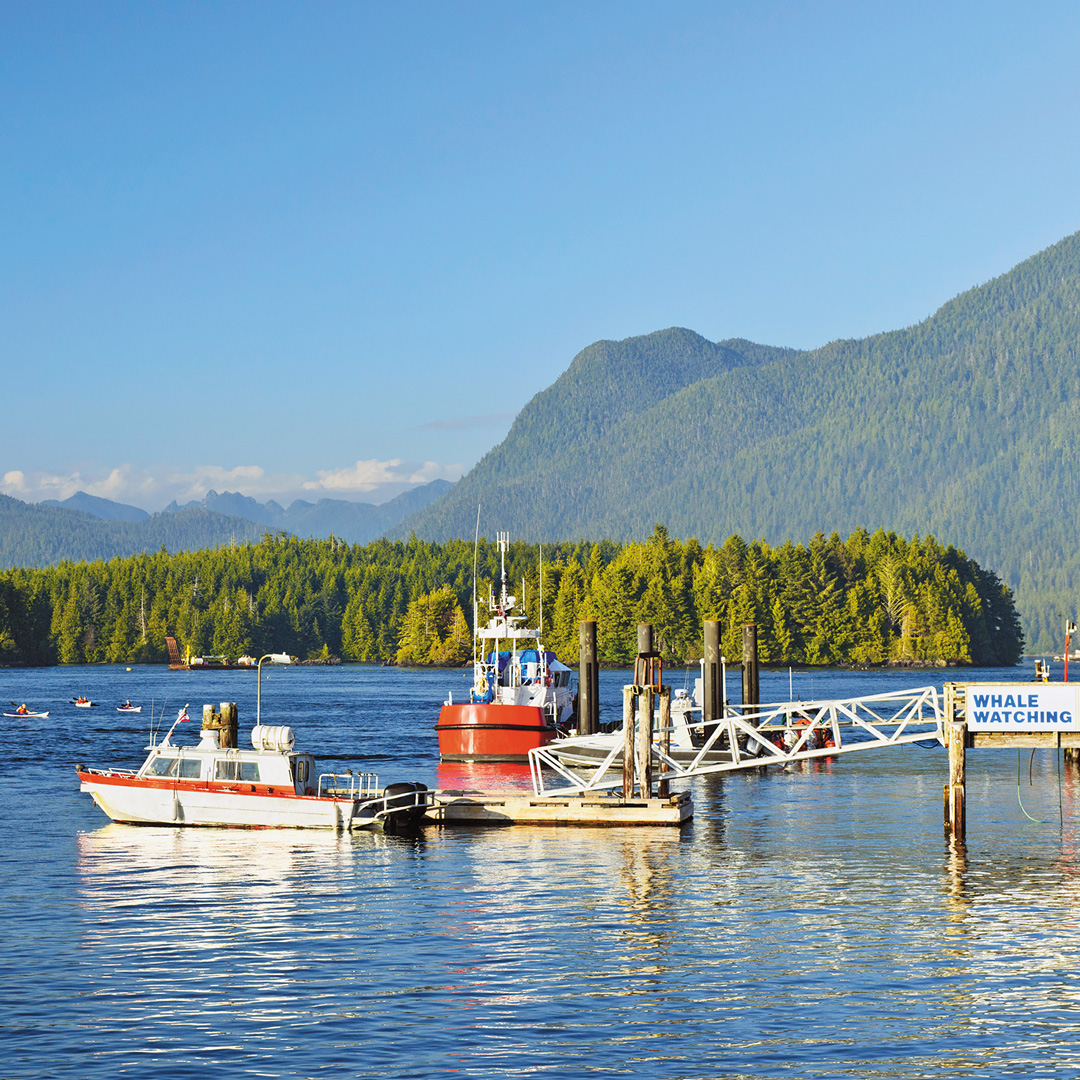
(520, 698)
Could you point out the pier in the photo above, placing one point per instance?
(1004, 716)
(596, 809)
(755, 737)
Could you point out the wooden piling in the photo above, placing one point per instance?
(588, 680)
(712, 707)
(955, 821)
(663, 788)
(225, 723)
(643, 742)
(628, 695)
(751, 694)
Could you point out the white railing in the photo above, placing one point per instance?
(349, 785)
(778, 734)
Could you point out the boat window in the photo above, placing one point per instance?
(190, 768)
(237, 770)
(162, 766)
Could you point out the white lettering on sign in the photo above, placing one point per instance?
(1009, 707)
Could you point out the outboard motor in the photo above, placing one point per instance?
(405, 805)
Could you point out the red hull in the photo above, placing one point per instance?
(491, 732)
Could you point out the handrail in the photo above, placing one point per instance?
(349, 785)
(877, 720)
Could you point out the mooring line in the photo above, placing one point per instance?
(1038, 821)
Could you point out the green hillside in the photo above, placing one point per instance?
(960, 427)
(37, 535)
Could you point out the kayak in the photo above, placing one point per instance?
(84, 704)
(129, 708)
(27, 715)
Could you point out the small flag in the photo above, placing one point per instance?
(182, 715)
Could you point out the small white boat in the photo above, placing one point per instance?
(83, 703)
(27, 715)
(129, 708)
(268, 786)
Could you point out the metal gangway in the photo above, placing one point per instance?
(778, 734)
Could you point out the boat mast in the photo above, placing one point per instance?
(475, 609)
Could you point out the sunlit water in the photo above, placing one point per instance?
(812, 922)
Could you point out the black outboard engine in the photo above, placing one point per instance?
(404, 807)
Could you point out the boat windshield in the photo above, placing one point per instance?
(184, 768)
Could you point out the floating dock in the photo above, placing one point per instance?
(590, 810)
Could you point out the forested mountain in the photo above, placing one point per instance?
(960, 427)
(85, 527)
(98, 507)
(868, 600)
(37, 535)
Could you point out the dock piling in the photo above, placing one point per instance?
(957, 776)
(663, 787)
(751, 694)
(588, 680)
(225, 723)
(712, 707)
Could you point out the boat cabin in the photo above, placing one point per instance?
(270, 761)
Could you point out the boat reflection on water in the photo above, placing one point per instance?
(483, 776)
(207, 865)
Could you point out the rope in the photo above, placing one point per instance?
(1038, 821)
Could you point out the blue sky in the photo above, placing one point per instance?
(330, 250)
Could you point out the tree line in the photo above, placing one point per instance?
(866, 599)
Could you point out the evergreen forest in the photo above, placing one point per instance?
(867, 599)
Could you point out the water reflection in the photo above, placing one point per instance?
(957, 900)
(807, 922)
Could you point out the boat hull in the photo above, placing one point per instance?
(491, 732)
(138, 801)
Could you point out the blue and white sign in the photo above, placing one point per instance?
(1022, 707)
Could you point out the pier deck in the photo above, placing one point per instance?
(522, 808)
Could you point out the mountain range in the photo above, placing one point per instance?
(89, 527)
(961, 426)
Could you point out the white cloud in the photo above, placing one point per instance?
(366, 476)
(152, 489)
(14, 483)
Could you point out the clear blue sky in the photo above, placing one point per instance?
(249, 245)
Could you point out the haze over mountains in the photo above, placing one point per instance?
(963, 426)
(89, 527)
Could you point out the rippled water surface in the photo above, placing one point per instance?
(810, 922)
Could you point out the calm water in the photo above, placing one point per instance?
(809, 923)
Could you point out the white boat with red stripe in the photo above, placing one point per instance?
(269, 786)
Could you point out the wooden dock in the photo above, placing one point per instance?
(590, 810)
(1020, 715)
